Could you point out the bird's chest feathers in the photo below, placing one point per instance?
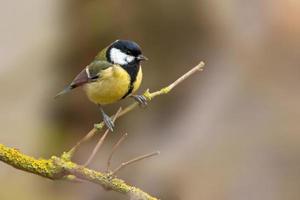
(112, 85)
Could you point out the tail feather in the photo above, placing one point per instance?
(64, 91)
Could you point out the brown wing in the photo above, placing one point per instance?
(82, 78)
(87, 75)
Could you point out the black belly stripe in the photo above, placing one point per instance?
(132, 70)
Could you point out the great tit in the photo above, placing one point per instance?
(114, 74)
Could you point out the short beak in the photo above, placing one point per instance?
(142, 57)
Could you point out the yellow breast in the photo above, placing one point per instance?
(112, 85)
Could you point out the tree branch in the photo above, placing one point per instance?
(57, 168)
(134, 160)
(61, 168)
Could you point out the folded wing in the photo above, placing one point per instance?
(88, 74)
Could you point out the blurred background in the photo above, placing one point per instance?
(230, 132)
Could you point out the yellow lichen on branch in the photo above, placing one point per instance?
(57, 168)
(18, 160)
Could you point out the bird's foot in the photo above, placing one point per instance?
(141, 99)
(108, 122)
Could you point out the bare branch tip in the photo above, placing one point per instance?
(200, 66)
(155, 153)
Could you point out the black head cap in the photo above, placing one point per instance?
(128, 47)
(124, 52)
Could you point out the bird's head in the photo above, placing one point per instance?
(124, 52)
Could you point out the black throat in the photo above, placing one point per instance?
(132, 69)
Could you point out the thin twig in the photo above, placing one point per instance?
(150, 95)
(134, 160)
(114, 149)
(87, 137)
(101, 140)
(167, 89)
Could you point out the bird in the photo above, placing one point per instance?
(114, 74)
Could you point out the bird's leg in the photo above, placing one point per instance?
(141, 99)
(106, 119)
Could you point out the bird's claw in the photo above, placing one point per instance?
(108, 122)
(141, 99)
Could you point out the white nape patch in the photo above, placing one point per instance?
(119, 57)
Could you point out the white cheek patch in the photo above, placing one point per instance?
(129, 58)
(119, 57)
